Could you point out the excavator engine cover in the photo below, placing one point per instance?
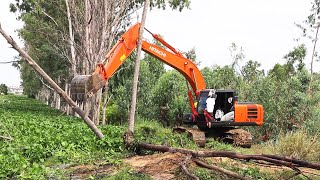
(84, 86)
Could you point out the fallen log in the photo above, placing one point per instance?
(219, 169)
(288, 162)
(295, 161)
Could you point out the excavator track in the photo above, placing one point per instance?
(197, 135)
(236, 137)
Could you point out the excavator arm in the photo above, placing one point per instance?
(128, 42)
(126, 45)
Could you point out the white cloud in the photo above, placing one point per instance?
(264, 28)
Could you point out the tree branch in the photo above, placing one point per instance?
(6, 138)
(50, 17)
(288, 162)
(219, 169)
(183, 166)
(295, 161)
(7, 62)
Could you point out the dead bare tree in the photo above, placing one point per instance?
(96, 24)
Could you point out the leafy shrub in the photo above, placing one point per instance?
(170, 93)
(203, 173)
(312, 124)
(151, 131)
(3, 89)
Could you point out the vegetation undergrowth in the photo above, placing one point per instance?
(153, 132)
(297, 144)
(128, 174)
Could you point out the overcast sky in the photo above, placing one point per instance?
(263, 28)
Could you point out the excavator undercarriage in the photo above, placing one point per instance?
(231, 135)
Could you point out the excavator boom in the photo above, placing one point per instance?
(88, 85)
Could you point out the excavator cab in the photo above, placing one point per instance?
(244, 113)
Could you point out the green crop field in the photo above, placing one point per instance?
(44, 137)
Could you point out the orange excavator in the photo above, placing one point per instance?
(213, 123)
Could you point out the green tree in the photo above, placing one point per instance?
(220, 77)
(295, 63)
(250, 71)
(279, 72)
(169, 96)
(295, 59)
(3, 89)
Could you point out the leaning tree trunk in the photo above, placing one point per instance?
(40, 71)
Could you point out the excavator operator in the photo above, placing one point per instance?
(210, 102)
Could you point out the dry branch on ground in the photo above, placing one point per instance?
(294, 164)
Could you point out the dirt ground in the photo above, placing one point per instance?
(165, 166)
(161, 166)
(158, 166)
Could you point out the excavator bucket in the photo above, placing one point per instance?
(84, 86)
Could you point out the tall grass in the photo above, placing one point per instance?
(298, 145)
